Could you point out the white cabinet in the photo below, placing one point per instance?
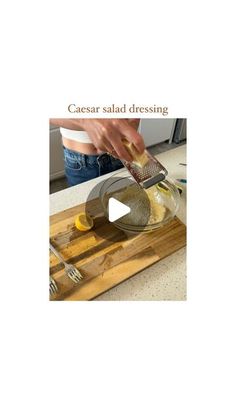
(56, 154)
(156, 131)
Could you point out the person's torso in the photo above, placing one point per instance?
(80, 136)
(78, 141)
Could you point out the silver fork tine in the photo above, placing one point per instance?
(74, 275)
(77, 273)
(52, 286)
(72, 272)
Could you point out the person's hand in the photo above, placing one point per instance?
(133, 122)
(107, 135)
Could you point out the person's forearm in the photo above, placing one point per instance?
(69, 123)
(106, 134)
(78, 124)
(134, 122)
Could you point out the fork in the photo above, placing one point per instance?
(71, 271)
(52, 286)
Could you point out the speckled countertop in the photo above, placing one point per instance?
(166, 279)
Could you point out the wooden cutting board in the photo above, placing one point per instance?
(104, 255)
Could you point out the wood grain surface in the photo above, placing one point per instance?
(105, 255)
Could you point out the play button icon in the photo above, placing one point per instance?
(116, 209)
(112, 211)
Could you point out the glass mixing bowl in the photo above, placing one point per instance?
(165, 194)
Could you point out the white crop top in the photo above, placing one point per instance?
(80, 136)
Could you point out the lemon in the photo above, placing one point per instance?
(83, 222)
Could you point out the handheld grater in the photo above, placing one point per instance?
(150, 174)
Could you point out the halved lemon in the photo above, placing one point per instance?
(83, 222)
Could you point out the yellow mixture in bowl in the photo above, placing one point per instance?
(143, 204)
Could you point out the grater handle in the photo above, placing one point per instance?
(153, 180)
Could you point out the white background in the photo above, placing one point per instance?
(119, 360)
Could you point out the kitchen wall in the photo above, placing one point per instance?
(56, 154)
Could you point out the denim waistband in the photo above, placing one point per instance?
(88, 159)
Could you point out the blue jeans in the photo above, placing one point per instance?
(82, 167)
